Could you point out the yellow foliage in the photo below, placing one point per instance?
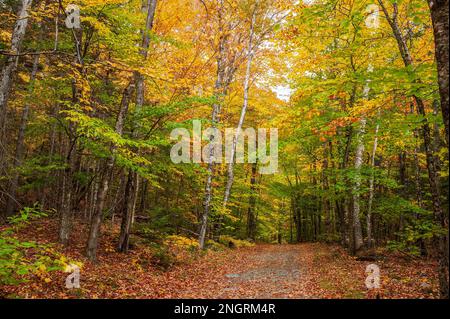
(230, 241)
(181, 242)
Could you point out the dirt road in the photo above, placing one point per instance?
(302, 271)
(271, 272)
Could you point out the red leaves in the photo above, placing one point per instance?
(263, 271)
(338, 275)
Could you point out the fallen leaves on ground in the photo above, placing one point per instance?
(309, 270)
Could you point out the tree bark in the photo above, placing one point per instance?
(20, 147)
(356, 222)
(9, 68)
(125, 227)
(94, 232)
(251, 218)
(326, 204)
(129, 210)
(67, 179)
(371, 187)
(250, 53)
(440, 242)
(346, 226)
(219, 90)
(439, 17)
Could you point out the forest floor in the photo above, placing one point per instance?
(303, 271)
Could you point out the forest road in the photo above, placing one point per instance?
(269, 272)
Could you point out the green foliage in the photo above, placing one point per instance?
(410, 236)
(214, 245)
(231, 242)
(21, 258)
(148, 233)
(174, 249)
(26, 215)
(163, 257)
(39, 171)
(390, 208)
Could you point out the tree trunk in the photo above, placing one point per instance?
(20, 147)
(94, 232)
(418, 188)
(67, 179)
(356, 223)
(440, 242)
(129, 212)
(9, 68)
(371, 187)
(439, 17)
(403, 189)
(219, 90)
(325, 201)
(294, 219)
(437, 142)
(66, 208)
(250, 54)
(298, 220)
(251, 219)
(125, 227)
(345, 209)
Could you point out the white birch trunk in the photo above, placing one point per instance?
(219, 90)
(243, 111)
(9, 68)
(357, 232)
(371, 186)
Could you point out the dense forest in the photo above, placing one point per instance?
(90, 91)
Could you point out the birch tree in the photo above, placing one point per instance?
(250, 55)
(219, 90)
(8, 71)
(371, 186)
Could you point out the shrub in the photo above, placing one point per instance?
(148, 233)
(234, 243)
(182, 242)
(21, 258)
(214, 245)
(163, 258)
